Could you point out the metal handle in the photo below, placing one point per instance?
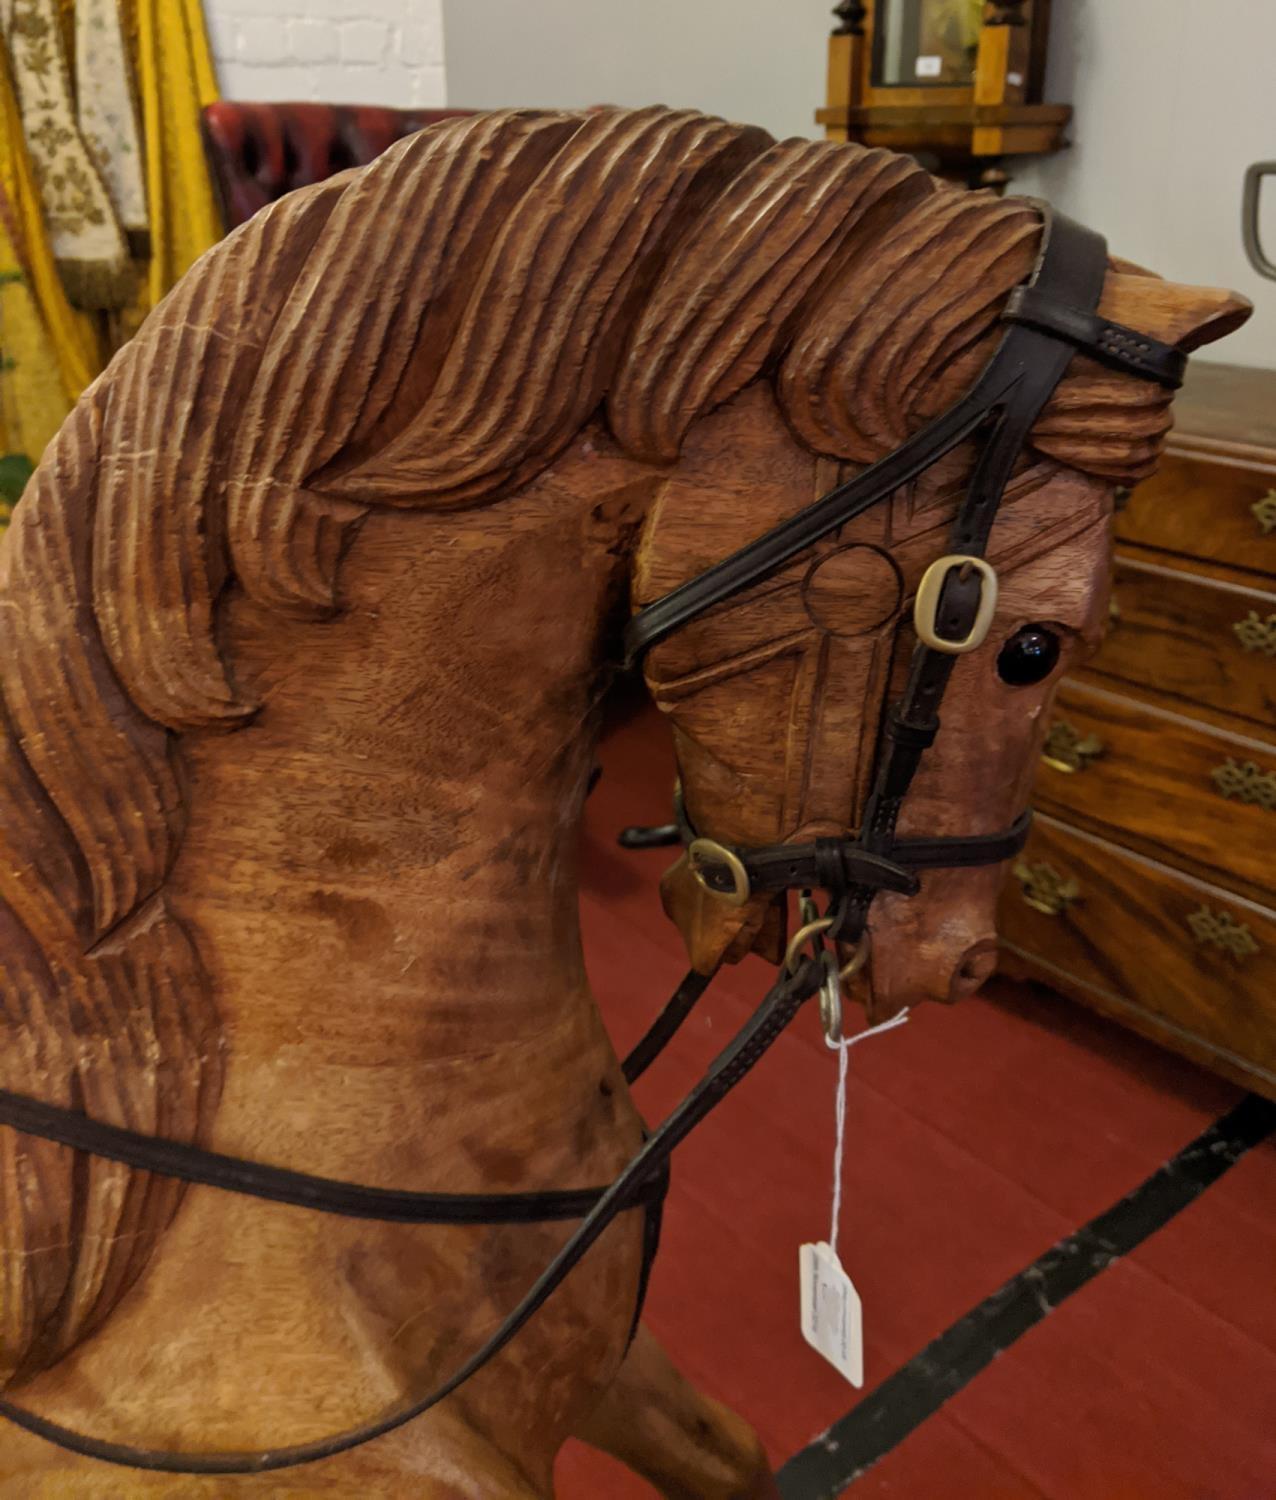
(1249, 217)
(1219, 930)
(1256, 634)
(1264, 512)
(1045, 890)
(1066, 749)
(1246, 782)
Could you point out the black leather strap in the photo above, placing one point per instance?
(967, 852)
(648, 836)
(826, 863)
(835, 864)
(282, 1185)
(1111, 343)
(774, 548)
(1049, 320)
(629, 1190)
(662, 1030)
(1072, 264)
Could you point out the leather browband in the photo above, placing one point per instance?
(1110, 343)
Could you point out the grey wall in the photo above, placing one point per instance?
(1173, 98)
(762, 61)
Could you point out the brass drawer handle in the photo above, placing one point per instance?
(1045, 890)
(1217, 929)
(1256, 634)
(1264, 512)
(1066, 749)
(1246, 782)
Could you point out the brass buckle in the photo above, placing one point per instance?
(709, 851)
(927, 602)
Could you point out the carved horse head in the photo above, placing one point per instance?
(303, 622)
(777, 697)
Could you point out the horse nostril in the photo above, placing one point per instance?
(977, 966)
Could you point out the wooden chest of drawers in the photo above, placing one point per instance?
(1148, 887)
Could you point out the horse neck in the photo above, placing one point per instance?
(380, 871)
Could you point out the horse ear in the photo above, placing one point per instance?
(1188, 316)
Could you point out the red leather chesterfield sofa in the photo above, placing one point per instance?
(259, 152)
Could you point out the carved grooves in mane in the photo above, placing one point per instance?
(123, 1028)
(110, 572)
(937, 286)
(729, 304)
(173, 407)
(1105, 423)
(939, 283)
(495, 349)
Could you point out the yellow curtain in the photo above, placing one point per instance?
(175, 78)
(49, 351)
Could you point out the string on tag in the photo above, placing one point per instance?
(842, 1047)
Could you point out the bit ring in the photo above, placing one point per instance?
(831, 1001)
(857, 960)
(804, 934)
(702, 851)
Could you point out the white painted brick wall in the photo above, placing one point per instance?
(330, 51)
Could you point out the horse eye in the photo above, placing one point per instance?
(1029, 656)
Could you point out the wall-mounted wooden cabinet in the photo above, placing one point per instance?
(958, 83)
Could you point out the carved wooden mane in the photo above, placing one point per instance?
(430, 332)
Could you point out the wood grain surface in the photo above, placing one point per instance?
(1167, 785)
(304, 624)
(1125, 943)
(1178, 634)
(1203, 507)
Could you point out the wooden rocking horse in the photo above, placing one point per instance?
(304, 622)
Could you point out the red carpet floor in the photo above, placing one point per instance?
(977, 1137)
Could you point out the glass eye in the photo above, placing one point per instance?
(1030, 655)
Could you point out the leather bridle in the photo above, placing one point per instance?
(1049, 320)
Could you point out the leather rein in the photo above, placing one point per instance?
(1049, 320)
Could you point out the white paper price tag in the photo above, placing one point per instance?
(929, 67)
(832, 1318)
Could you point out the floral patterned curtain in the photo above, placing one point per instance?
(105, 198)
